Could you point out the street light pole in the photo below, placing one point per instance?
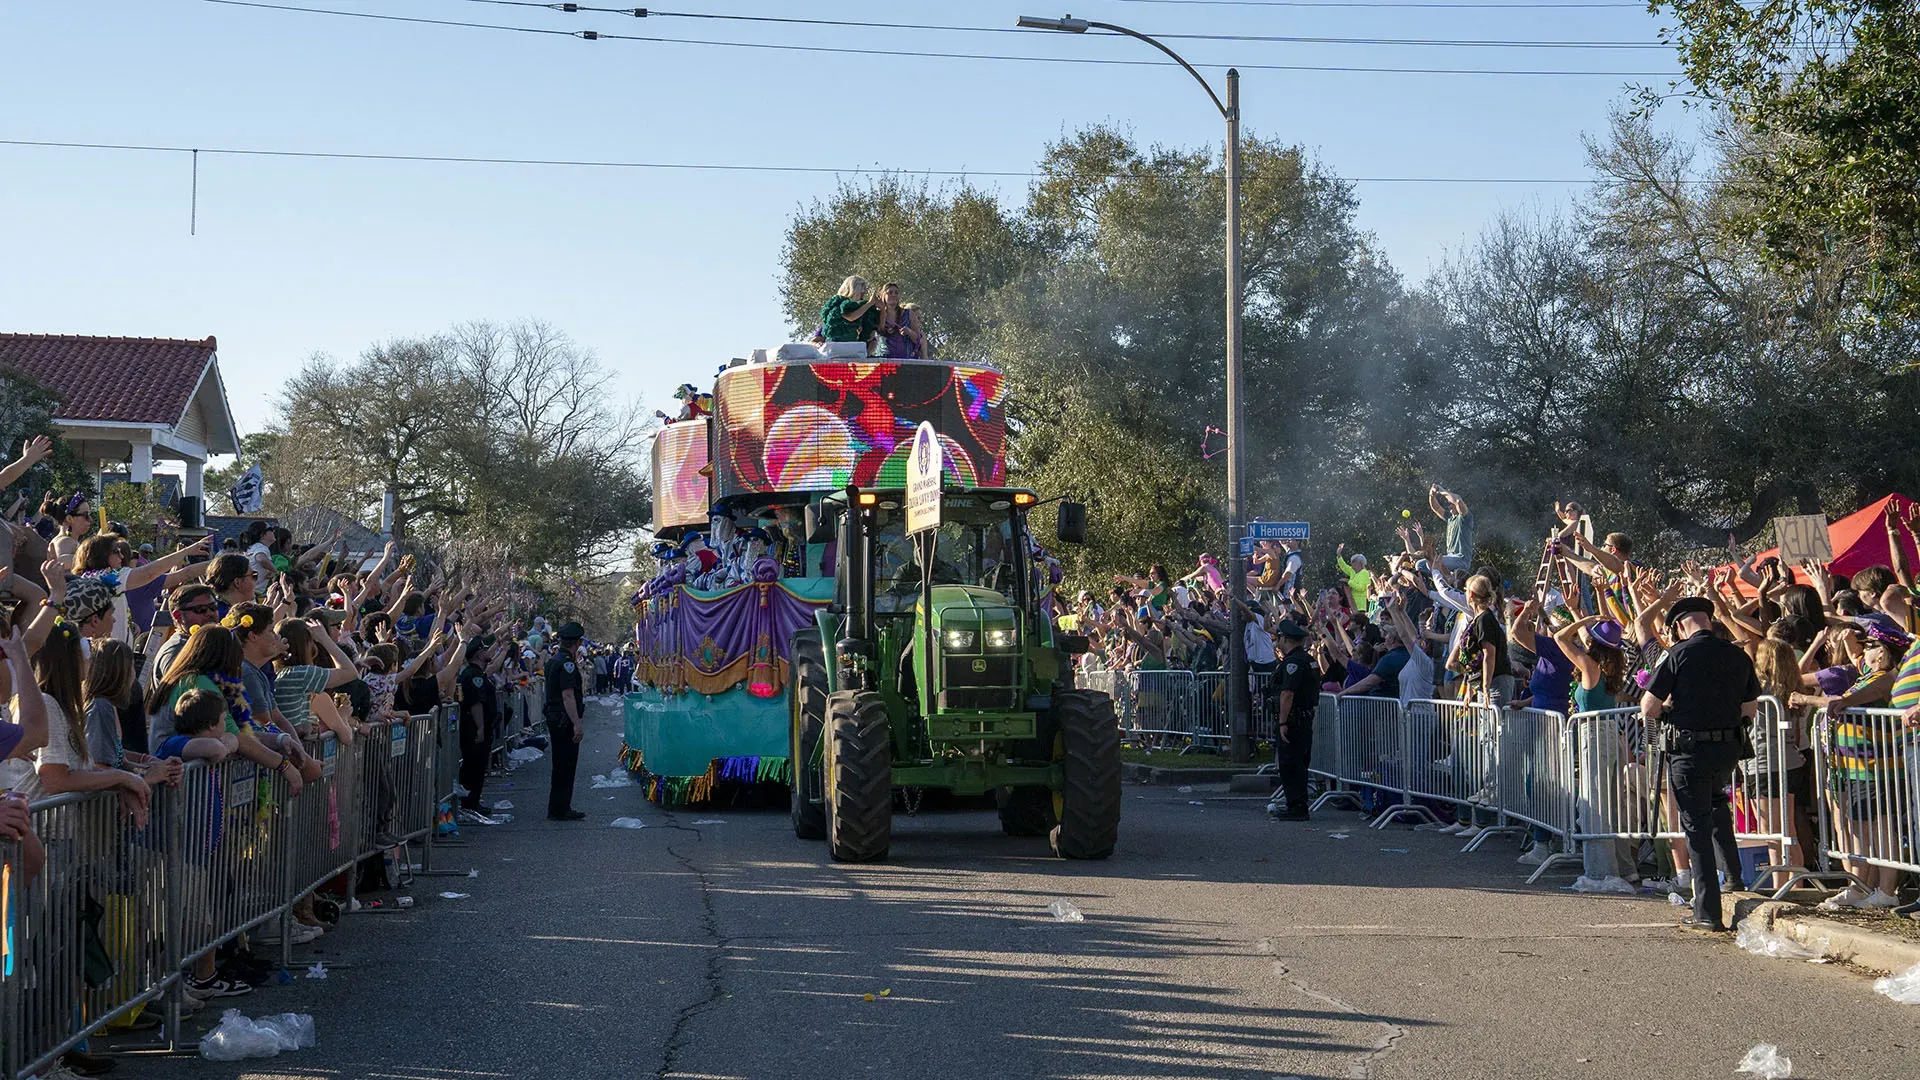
(1241, 744)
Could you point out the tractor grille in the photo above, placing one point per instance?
(991, 686)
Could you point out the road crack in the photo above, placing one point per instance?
(716, 957)
(1390, 1032)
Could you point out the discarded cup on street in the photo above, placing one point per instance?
(1760, 941)
(403, 901)
(1065, 911)
(1766, 1062)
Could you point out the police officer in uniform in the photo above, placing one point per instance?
(479, 711)
(565, 722)
(1706, 692)
(1297, 682)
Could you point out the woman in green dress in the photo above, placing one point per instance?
(851, 315)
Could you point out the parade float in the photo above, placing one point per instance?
(739, 477)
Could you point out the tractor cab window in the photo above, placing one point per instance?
(981, 552)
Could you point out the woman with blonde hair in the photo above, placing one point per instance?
(851, 315)
(900, 337)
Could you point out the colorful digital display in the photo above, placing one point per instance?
(819, 425)
(682, 494)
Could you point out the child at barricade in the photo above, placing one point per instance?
(199, 722)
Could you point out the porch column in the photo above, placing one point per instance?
(140, 465)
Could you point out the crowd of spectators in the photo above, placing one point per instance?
(119, 665)
(1581, 635)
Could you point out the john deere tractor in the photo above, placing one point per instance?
(935, 668)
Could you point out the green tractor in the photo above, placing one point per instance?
(951, 679)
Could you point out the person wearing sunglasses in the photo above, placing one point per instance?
(190, 605)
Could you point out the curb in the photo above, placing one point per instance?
(1843, 941)
(1135, 773)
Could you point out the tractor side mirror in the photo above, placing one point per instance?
(819, 525)
(1071, 527)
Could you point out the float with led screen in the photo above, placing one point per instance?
(819, 425)
(682, 491)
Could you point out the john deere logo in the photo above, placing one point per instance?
(979, 665)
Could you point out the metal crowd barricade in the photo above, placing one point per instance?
(1450, 747)
(1763, 786)
(1533, 781)
(121, 912)
(1208, 719)
(88, 940)
(1867, 771)
(1163, 706)
(1371, 752)
(1620, 781)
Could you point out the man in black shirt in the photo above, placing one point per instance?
(479, 705)
(1297, 682)
(565, 722)
(1709, 693)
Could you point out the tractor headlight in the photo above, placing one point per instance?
(960, 639)
(1000, 639)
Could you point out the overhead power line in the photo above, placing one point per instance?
(868, 24)
(593, 35)
(587, 163)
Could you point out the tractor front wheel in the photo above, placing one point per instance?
(859, 775)
(1089, 806)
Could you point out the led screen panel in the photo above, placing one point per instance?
(681, 494)
(821, 425)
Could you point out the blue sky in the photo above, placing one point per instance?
(665, 273)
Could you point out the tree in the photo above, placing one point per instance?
(1645, 359)
(1829, 90)
(504, 442)
(26, 411)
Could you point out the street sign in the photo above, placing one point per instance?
(924, 463)
(1277, 530)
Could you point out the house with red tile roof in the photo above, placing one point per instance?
(127, 402)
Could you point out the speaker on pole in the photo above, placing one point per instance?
(190, 512)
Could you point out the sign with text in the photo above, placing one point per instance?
(1277, 530)
(923, 480)
(1803, 538)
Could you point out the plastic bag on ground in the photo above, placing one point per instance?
(1903, 988)
(294, 1030)
(1767, 1062)
(1604, 885)
(1760, 941)
(626, 823)
(1065, 911)
(238, 1038)
(618, 779)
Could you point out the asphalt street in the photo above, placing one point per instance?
(1216, 944)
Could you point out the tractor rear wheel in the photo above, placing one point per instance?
(1089, 806)
(859, 775)
(806, 718)
(1025, 811)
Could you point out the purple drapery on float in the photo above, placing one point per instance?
(711, 644)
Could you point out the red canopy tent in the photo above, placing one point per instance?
(1859, 540)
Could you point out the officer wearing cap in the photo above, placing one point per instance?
(1298, 683)
(1706, 693)
(565, 723)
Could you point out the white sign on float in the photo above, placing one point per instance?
(924, 468)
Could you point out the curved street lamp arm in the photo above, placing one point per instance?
(1177, 58)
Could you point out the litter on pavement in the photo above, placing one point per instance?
(1065, 911)
(626, 823)
(1767, 1062)
(1903, 988)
